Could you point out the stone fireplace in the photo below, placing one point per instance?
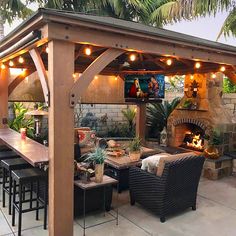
(201, 111)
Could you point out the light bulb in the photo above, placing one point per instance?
(11, 63)
(47, 50)
(95, 77)
(3, 66)
(169, 62)
(132, 57)
(197, 65)
(222, 68)
(21, 60)
(88, 51)
(213, 76)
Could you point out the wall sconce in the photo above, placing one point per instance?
(192, 90)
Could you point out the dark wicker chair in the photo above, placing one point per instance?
(174, 191)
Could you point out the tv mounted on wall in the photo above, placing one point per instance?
(144, 88)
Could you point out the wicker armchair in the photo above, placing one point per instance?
(174, 191)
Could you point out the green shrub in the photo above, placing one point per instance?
(228, 86)
(20, 121)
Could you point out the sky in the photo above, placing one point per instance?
(207, 27)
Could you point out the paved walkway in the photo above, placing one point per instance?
(215, 216)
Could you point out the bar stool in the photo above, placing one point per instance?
(8, 165)
(4, 148)
(24, 178)
(6, 155)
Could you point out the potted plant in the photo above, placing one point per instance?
(135, 149)
(214, 140)
(98, 157)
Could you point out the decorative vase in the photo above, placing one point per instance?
(211, 152)
(163, 137)
(99, 171)
(135, 156)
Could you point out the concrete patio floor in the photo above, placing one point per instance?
(215, 215)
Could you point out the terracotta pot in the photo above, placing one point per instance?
(211, 152)
(99, 171)
(135, 156)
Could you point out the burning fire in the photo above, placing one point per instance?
(197, 142)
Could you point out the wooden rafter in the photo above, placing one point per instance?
(93, 69)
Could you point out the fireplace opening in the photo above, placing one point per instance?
(193, 137)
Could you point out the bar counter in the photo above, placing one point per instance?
(33, 152)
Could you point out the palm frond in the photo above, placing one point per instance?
(229, 26)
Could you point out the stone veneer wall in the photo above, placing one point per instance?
(230, 102)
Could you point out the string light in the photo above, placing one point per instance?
(47, 50)
(88, 51)
(197, 65)
(213, 76)
(3, 66)
(115, 78)
(169, 62)
(11, 63)
(95, 77)
(222, 68)
(132, 57)
(21, 60)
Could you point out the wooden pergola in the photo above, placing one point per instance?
(55, 41)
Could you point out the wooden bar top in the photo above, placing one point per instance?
(32, 151)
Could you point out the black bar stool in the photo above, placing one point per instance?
(25, 178)
(4, 148)
(6, 155)
(8, 166)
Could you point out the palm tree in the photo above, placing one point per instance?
(157, 115)
(176, 10)
(124, 9)
(10, 10)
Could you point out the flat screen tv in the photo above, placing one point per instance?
(144, 88)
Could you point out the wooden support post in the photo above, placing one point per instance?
(4, 77)
(141, 121)
(61, 138)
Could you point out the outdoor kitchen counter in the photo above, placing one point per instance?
(30, 150)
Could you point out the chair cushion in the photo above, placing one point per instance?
(150, 163)
(166, 159)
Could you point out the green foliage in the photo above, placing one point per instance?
(135, 145)
(157, 115)
(20, 121)
(129, 115)
(228, 86)
(13, 9)
(120, 130)
(215, 138)
(98, 156)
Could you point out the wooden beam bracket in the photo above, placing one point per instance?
(93, 69)
(38, 62)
